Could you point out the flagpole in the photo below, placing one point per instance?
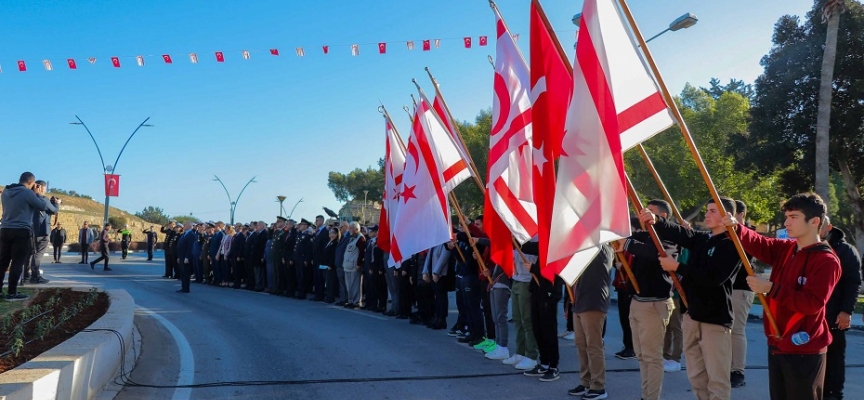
(393, 126)
(626, 264)
(555, 40)
(696, 157)
(659, 181)
(637, 204)
(464, 224)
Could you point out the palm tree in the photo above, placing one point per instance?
(831, 14)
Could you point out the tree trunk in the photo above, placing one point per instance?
(823, 118)
(855, 201)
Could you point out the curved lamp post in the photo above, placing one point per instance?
(230, 200)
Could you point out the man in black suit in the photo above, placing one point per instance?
(322, 237)
(58, 238)
(236, 256)
(248, 255)
(150, 235)
(258, 249)
(184, 256)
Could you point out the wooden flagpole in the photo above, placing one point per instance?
(464, 224)
(659, 181)
(673, 107)
(637, 204)
(626, 264)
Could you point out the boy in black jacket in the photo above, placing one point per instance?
(544, 318)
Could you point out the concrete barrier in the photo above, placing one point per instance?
(81, 367)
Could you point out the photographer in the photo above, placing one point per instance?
(16, 234)
(41, 230)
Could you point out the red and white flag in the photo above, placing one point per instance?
(115, 61)
(509, 210)
(551, 86)
(220, 57)
(193, 58)
(410, 45)
(426, 45)
(433, 168)
(467, 41)
(614, 97)
(483, 40)
(326, 49)
(394, 167)
(274, 52)
(382, 48)
(167, 58)
(22, 66)
(71, 62)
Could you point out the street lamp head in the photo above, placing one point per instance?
(109, 168)
(576, 19)
(281, 198)
(683, 22)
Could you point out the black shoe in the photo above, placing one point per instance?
(92, 266)
(82, 262)
(39, 280)
(578, 391)
(16, 297)
(737, 379)
(626, 354)
(465, 339)
(183, 291)
(400, 316)
(537, 371)
(341, 303)
(550, 375)
(107, 269)
(595, 394)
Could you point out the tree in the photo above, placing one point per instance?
(117, 222)
(476, 137)
(153, 215)
(350, 186)
(782, 132)
(182, 219)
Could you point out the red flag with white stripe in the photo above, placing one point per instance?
(394, 167)
(433, 168)
(509, 208)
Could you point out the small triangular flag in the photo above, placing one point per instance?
(167, 58)
(71, 62)
(274, 52)
(437, 43)
(220, 57)
(467, 41)
(92, 60)
(483, 40)
(115, 61)
(326, 49)
(426, 45)
(382, 48)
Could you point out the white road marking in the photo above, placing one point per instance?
(187, 360)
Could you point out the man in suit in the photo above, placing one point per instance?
(104, 240)
(215, 242)
(184, 256)
(248, 258)
(85, 237)
(258, 258)
(170, 257)
(322, 237)
(303, 258)
(290, 241)
(58, 238)
(237, 256)
(41, 231)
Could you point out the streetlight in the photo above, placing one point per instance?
(281, 199)
(295, 207)
(109, 169)
(365, 192)
(233, 202)
(683, 22)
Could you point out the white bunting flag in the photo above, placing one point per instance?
(92, 60)
(245, 54)
(355, 49)
(193, 58)
(140, 60)
(437, 43)
(300, 52)
(47, 64)
(410, 45)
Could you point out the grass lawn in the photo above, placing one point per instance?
(7, 307)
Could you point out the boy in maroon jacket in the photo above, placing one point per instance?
(804, 273)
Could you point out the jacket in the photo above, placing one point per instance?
(708, 276)
(215, 243)
(184, 246)
(322, 238)
(803, 280)
(303, 248)
(258, 248)
(340, 249)
(85, 236)
(654, 283)
(58, 236)
(550, 291)
(329, 256)
(42, 222)
(237, 244)
(845, 293)
(352, 261)
(19, 206)
(592, 287)
(437, 260)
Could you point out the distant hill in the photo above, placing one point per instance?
(75, 210)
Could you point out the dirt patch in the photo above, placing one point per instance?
(50, 318)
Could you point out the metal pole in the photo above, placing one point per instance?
(295, 206)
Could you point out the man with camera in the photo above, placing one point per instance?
(41, 231)
(20, 203)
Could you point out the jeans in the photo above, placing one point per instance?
(36, 261)
(15, 248)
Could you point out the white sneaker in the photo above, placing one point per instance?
(513, 360)
(526, 364)
(569, 336)
(671, 366)
(500, 353)
(565, 333)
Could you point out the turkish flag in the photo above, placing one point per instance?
(220, 57)
(467, 41)
(71, 63)
(483, 40)
(382, 48)
(274, 52)
(326, 49)
(115, 61)
(167, 58)
(112, 185)
(22, 66)
(426, 45)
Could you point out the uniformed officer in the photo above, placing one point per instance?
(277, 252)
(168, 230)
(303, 257)
(290, 273)
(125, 239)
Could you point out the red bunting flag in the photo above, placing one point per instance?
(115, 61)
(326, 49)
(467, 41)
(167, 58)
(22, 66)
(220, 57)
(426, 45)
(382, 48)
(71, 63)
(274, 52)
(483, 40)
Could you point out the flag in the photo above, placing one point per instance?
(274, 52)
(71, 63)
(115, 61)
(112, 185)
(467, 41)
(551, 85)
(220, 57)
(441, 111)
(326, 49)
(167, 58)
(437, 43)
(47, 64)
(22, 66)
(509, 210)
(483, 40)
(382, 48)
(426, 45)
(193, 58)
(92, 60)
(140, 60)
(355, 49)
(245, 54)
(410, 45)
(300, 52)
(433, 168)
(394, 167)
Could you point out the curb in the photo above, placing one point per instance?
(81, 367)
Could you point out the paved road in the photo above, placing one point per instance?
(323, 352)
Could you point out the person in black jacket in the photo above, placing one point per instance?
(545, 296)
(236, 255)
(742, 301)
(838, 310)
(328, 259)
(290, 239)
(258, 261)
(151, 237)
(167, 248)
(319, 244)
(248, 256)
(707, 281)
(302, 258)
(58, 238)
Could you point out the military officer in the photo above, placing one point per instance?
(277, 252)
(303, 257)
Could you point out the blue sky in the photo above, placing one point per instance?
(287, 120)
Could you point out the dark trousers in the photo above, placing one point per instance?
(16, 246)
(228, 267)
(103, 250)
(300, 279)
(471, 296)
(624, 300)
(36, 260)
(544, 323)
(320, 278)
(197, 268)
(260, 274)
(185, 272)
(486, 305)
(380, 281)
(239, 272)
(425, 301)
(124, 247)
(58, 251)
(290, 278)
(85, 252)
(461, 317)
(169, 263)
(369, 292)
(309, 277)
(249, 276)
(796, 376)
(218, 267)
(406, 295)
(331, 285)
(442, 303)
(280, 270)
(835, 365)
(150, 247)
(567, 314)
